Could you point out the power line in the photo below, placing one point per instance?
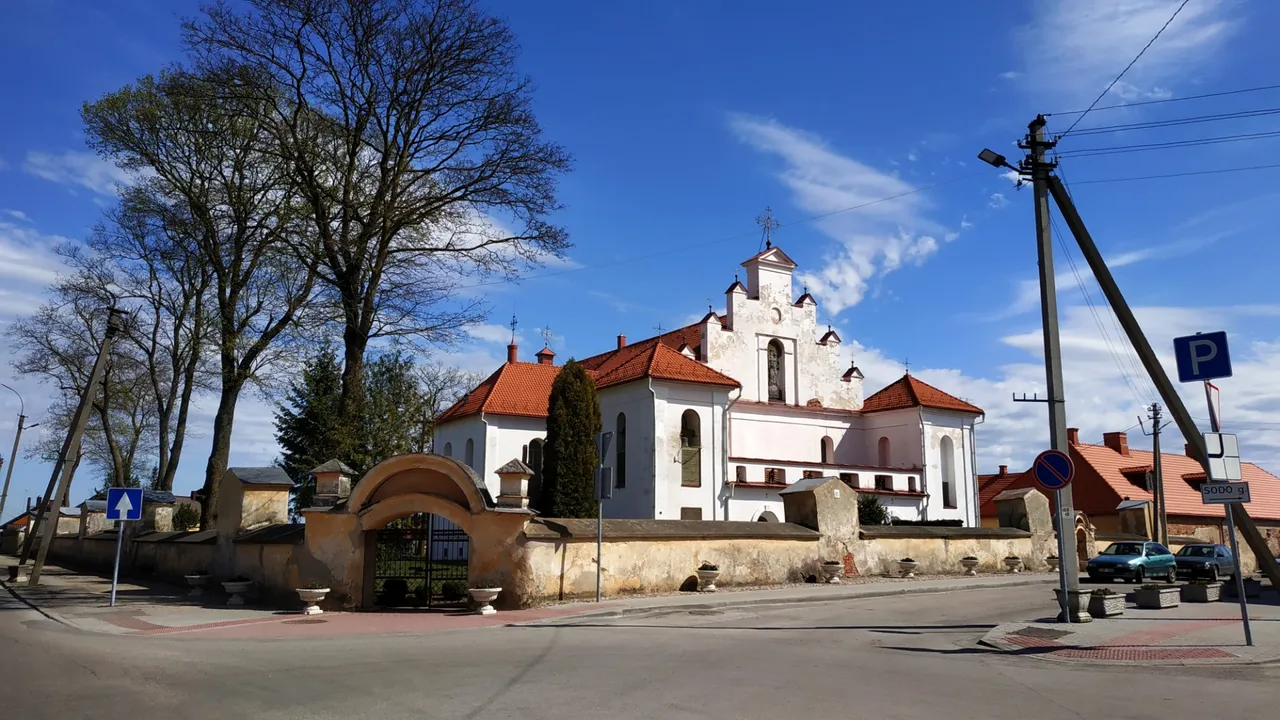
(1172, 144)
(1194, 120)
(1162, 101)
(1178, 175)
(1131, 64)
(685, 247)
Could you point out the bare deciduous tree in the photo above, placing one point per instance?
(412, 139)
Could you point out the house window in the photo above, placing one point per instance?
(690, 513)
(884, 482)
(777, 379)
(448, 450)
(470, 457)
(690, 449)
(775, 476)
(850, 479)
(882, 452)
(812, 474)
(911, 483)
(827, 451)
(740, 473)
(620, 472)
(947, 450)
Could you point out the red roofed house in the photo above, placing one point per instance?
(1113, 473)
(713, 419)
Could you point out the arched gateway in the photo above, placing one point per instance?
(418, 530)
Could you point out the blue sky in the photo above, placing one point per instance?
(687, 119)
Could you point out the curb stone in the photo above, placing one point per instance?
(729, 601)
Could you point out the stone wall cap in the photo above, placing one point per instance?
(870, 532)
(585, 529)
(1015, 494)
(808, 484)
(175, 536)
(278, 534)
(514, 467)
(333, 466)
(261, 476)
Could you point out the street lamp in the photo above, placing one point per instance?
(994, 159)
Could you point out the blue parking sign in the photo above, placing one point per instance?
(1203, 356)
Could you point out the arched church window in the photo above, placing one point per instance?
(777, 374)
(448, 450)
(690, 449)
(620, 471)
(470, 457)
(828, 452)
(535, 480)
(882, 452)
(947, 451)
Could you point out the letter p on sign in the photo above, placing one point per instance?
(1202, 357)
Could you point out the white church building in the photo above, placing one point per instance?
(712, 420)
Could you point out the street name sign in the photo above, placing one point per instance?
(1221, 493)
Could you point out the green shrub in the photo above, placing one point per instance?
(453, 590)
(186, 517)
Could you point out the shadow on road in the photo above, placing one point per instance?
(885, 629)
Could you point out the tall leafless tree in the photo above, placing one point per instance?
(411, 137)
(210, 173)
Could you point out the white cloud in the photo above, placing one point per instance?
(913, 156)
(1012, 176)
(493, 334)
(871, 240)
(997, 201)
(1075, 48)
(74, 168)
(1010, 75)
(26, 257)
(16, 215)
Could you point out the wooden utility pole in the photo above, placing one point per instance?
(115, 323)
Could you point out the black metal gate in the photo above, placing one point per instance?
(421, 562)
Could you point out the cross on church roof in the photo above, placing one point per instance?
(658, 327)
(906, 363)
(767, 225)
(513, 328)
(546, 336)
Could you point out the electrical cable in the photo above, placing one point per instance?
(1180, 174)
(1172, 144)
(1131, 64)
(739, 236)
(1176, 122)
(1162, 101)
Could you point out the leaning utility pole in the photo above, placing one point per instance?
(1064, 520)
(1262, 553)
(115, 323)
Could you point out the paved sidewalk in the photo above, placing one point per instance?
(1190, 634)
(154, 609)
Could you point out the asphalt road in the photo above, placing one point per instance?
(898, 658)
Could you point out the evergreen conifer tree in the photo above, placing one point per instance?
(569, 462)
(308, 427)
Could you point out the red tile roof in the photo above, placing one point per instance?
(989, 486)
(909, 391)
(1100, 483)
(523, 389)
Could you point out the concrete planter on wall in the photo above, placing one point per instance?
(1077, 605)
(970, 565)
(484, 597)
(311, 598)
(831, 572)
(1013, 564)
(1106, 605)
(1157, 597)
(1053, 563)
(236, 589)
(707, 580)
(1201, 592)
(196, 583)
(908, 568)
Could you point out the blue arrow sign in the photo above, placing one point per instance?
(1053, 469)
(124, 503)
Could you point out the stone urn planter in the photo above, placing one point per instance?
(832, 570)
(484, 597)
(1105, 603)
(1077, 605)
(707, 574)
(1252, 589)
(1013, 564)
(1157, 597)
(1201, 592)
(236, 587)
(1053, 562)
(311, 598)
(970, 565)
(907, 567)
(196, 582)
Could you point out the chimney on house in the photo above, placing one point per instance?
(1117, 441)
(28, 503)
(1073, 436)
(1186, 449)
(622, 341)
(546, 356)
(512, 353)
(1004, 470)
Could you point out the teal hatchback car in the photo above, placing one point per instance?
(1134, 562)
